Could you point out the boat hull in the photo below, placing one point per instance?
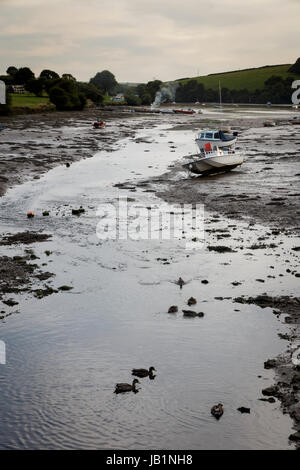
(214, 164)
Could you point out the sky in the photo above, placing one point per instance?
(142, 40)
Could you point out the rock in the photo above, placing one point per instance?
(30, 214)
(295, 437)
(10, 302)
(204, 281)
(270, 364)
(173, 309)
(296, 414)
(236, 283)
(65, 288)
(192, 301)
(46, 213)
(192, 314)
(244, 409)
(221, 249)
(271, 391)
(79, 211)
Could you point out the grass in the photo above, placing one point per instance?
(250, 79)
(28, 100)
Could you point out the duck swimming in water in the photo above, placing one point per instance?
(217, 411)
(122, 387)
(143, 372)
(192, 301)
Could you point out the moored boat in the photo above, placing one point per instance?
(269, 123)
(214, 160)
(184, 111)
(217, 138)
(295, 120)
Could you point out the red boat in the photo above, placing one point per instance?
(184, 111)
(99, 124)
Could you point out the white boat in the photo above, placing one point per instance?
(166, 111)
(217, 138)
(269, 123)
(214, 161)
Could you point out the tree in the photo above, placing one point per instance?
(153, 87)
(12, 70)
(65, 95)
(131, 99)
(23, 75)
(105, 81)
(36, 86)
(68, 76)
(91, 92)
(60, 98)
(296, 67)
(48, 74)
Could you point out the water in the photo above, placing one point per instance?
(66, 352)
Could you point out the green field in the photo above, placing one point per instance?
(250, 79)
(28, 100)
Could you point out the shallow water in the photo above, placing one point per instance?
(66, 351)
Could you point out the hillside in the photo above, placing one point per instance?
(251, 79)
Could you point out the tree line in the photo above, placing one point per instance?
(64, 91)
(276, 90)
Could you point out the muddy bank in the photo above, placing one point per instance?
(21, 274)
(32, 144)
(286, 366)
(264, 189)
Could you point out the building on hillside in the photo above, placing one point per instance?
(118, 98)
(16, 89)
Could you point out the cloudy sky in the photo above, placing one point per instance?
(139, 40)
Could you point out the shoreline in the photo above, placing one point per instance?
(59, 134)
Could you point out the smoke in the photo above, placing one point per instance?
(166, 93)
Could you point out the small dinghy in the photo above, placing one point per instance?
(99, 124)
(269, 123)
(295, 120)
(184, 111)
(216, 160)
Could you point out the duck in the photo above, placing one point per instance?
(123, 387)
(143, 372)
(173, 309)
(180, 282)
(192, 301)
(192, 314)
(217, 411)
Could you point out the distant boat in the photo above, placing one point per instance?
(219, 106)
(184, 111)
(295, 120)
(269, 123)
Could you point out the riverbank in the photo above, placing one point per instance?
(219, 357)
